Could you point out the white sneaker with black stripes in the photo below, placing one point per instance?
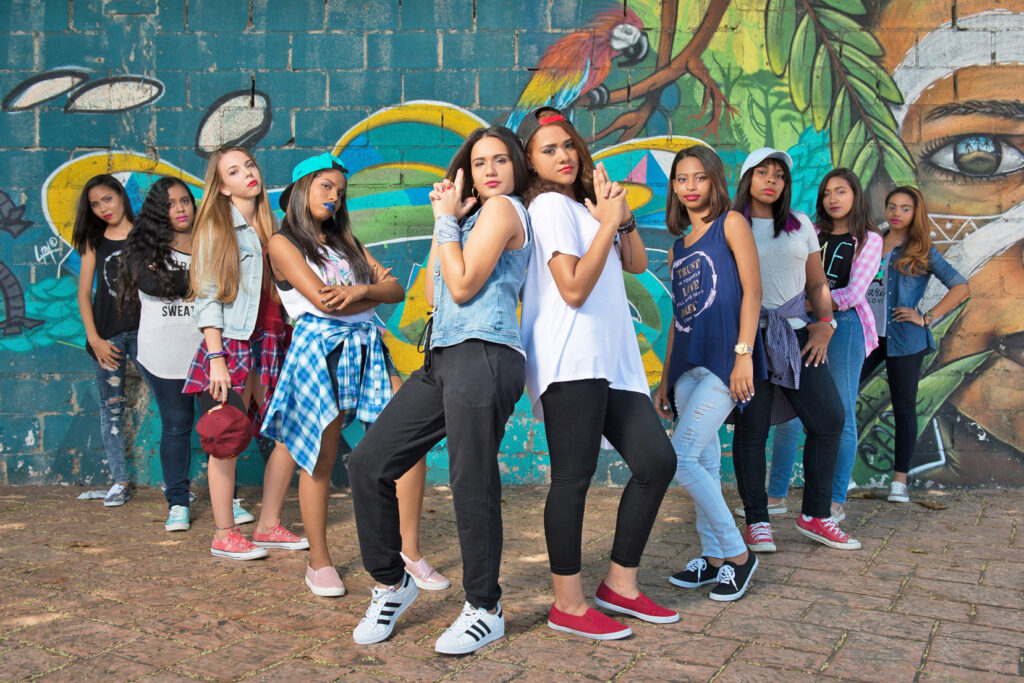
(385, 607)
(474, 628)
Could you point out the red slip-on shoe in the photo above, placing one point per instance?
(641, 607)
(592, 624)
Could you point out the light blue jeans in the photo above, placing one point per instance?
(112, 404)
(845, 360)
(702, 404)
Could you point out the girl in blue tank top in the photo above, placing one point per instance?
(714, 355)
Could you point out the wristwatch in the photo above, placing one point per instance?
(830, 321)
(742, 349)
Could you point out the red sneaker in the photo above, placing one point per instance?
(758, 537)
(593, 624)
(825, 530)
(641, 607)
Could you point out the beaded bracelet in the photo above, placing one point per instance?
(216, 354)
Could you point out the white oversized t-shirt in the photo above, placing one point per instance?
(562, 343)
(168, 336)
(783, 260)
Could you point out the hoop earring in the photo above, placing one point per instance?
(475, 193)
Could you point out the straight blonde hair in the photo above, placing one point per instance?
(215, 255)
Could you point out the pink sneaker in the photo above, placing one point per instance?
(235, 546)
(279, 537)
(825, 530)
(758, 537)
(641, 607)
(425, 576)
(324, 582)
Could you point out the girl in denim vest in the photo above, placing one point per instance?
(716, 297)
(472, 376)
(103, 222)
(244, 339)
(585, 377)
(904, 326)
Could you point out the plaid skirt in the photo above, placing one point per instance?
(263, 352)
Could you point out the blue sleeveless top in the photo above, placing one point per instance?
(706, 299)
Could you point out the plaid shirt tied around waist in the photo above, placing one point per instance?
(783, 352)
(303, 404)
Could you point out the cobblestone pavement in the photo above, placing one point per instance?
(88, 591)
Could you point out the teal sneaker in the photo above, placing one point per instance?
(177, 519)
(242, 516)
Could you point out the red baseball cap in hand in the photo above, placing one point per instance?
(224, 428)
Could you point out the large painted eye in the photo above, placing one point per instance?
(977, 156)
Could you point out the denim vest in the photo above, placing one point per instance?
(491, 314)
(236, 320)
(906, 338)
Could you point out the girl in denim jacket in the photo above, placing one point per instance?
(904, 328)
(244, 339)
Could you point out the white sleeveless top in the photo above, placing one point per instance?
(336, 272)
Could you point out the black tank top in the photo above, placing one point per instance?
(104, 300)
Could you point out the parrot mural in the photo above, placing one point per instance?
(572, 70)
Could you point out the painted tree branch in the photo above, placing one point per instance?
(667, 71)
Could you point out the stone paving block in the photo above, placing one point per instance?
(999, 597)
(75, 636)
(937, 671)
(921, 605)
(24, 661)
(750, 673)
(975, 655)
(105, 666)
(881, 657)
(299, 670)
(653, 668)
(769, 655)
(693, 649)
(1004, 574)
(808, 637)
(878, 622)
(259, 651)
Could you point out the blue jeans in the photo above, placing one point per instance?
(784, 445)
(177, 415)
(702, 404)
(845, 360)
(111, 389)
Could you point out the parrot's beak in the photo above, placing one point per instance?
(635, 53)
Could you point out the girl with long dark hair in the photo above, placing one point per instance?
(103, 221)
(154, 285)
(585, 378)
(471, 378)
(904, 326)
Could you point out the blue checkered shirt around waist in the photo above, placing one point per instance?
(783, 352)
(303, 404)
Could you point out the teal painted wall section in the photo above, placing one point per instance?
(901, 91)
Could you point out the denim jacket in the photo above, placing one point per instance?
(906, 338)
(236, 320)
(491, 314)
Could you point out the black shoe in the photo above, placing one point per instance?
(698, 572)
(733, 579)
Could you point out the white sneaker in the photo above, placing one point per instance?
(385, 607)
(773, 509)
(474, 628)
(898, 492)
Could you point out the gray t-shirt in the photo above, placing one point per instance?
(783, 260)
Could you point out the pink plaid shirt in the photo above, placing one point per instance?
(862, 272)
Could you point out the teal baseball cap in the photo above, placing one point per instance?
(321, 162)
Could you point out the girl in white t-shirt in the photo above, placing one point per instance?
(584, 374)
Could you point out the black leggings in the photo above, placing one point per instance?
(903, 374)
(576, 415)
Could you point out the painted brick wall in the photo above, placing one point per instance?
(900, 91)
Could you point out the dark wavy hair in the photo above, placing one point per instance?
(149, 247)
(299, 225)
(860, 221)
(89, 228)
(463, 159)
(782, 214)
(677, 219)
(583, 187)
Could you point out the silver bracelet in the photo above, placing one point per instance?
(446, 229)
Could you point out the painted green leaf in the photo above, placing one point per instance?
(899, 169)
(855, 7)
(888, 136)
(939, 331)
(801, 59)
(935, 388)
(821, 88)
(863, 41)
(836, 22)
(868, 70)
(841, 119)
(866, 163)
(853, 145)
(779, 27)
(870, 102)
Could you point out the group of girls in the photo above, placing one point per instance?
(518, 216)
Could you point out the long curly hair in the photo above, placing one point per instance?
(913, 258)
(89, 228)
(149, 247)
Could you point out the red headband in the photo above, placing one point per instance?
(550, 119)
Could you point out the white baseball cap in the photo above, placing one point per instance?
(759, 155)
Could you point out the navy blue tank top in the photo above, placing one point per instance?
(706, 299)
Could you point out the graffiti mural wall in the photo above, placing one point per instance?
(902, 92)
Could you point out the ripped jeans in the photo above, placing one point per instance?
(702, 403)
(112, 404)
